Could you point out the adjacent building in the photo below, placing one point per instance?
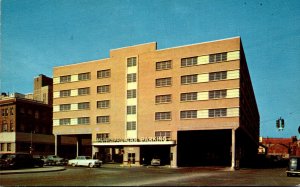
(188, 105)
(26, 120)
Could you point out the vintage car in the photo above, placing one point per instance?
(85, 161)
(19, 160)
(56, 160)
(155, 161)
(294, 166)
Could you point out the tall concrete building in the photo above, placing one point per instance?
(187, 105)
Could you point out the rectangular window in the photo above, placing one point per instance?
(131, 62)
(8, 146)
(64, 79)
(192, 61)
(83, 120)
(65, 121)
(83, 106)
(189, 79)
(131, 77)
(219, 57)
(192, 96)
(2, 146)
(84, 76)
(163, 65)
(215, 113)
(103, 74)
(162, 82)
(84, 91)
(103, 89)
(188, 114)
(163, 99)
(131, 125)
(166, 134)
(64, 107)
(102, 136)
(103, 104)
(162, 115)
(131, 93)
(65, 93)
(216, 94)
(131, 109)
(214, 76)
(102, 119)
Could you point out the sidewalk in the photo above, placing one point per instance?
(33, 170)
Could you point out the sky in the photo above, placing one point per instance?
(37, 35)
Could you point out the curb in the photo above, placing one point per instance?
(32, 170)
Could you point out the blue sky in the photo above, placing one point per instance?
(37, 35)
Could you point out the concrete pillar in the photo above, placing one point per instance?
(233, 149)
(57, 142)
(94, 150)
(173, 156)
(78, 145)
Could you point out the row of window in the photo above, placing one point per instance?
(5, 145)
(163, 65)
(7, 111)
(167, 134)
(187, 114)
(160, 99)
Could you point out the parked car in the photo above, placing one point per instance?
(56, 160)
(155, 162)
(85, 161)
(293, 166)
(19, 160)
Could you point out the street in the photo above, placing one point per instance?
(152, 176)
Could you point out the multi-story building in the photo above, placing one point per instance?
(187, 105)
(26, 123)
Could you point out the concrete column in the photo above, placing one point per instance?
(94, 150)
(233, 149)
(78, 145)
(57, 140)
(173, 156)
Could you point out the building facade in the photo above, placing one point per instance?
(187, 105)
(25, 123)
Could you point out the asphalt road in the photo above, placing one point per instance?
(152, 176)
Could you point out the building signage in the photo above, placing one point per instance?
(143, 139)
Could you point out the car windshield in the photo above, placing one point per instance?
(87, 157)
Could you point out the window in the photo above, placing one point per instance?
(189, 79)
(219, 57)
(84, 76)
(65, 121)
(2, 146)
(8, 146)
(102, 119)
(163, 99)
(102, 136)
(213, 113)
(188, 61)
(188, 114)
(65, 107)
(163, 82)
(11, 111)
(131, 77)
(216, 94)
(131, 109)
(131, 125)
(103, 89)
(83, 106)
(65, 93)
(218, 76)
(66, 78)
(163, 65)
(166, 134)
(83, 120)
(162, 115)
(103, 74)
(131, 61)
(84, 91)
(4, 126)
(192, 96)
(131, 93)
(103, 104)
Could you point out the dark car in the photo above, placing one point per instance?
(294, 166)
(19, 160)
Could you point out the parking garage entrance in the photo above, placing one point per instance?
(204, 148)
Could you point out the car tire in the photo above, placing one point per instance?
(91, 165)
(73, 164)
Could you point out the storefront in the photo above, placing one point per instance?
(136, 152)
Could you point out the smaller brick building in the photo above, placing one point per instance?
(283, 147)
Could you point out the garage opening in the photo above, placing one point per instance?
(204, 148)
(148, 152)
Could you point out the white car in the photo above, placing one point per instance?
(85, 161)
(155, 162)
